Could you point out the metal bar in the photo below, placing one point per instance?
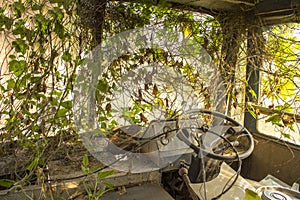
(254, 61)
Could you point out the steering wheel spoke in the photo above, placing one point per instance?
(220, 136)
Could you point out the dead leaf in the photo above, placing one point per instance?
(155, 90)
(143, 118)
(108, 107)
(287, 120)
(122, 190)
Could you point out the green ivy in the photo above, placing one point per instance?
(41, 45)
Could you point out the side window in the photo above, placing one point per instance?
(278, 111)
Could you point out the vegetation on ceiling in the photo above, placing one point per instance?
(44, 42)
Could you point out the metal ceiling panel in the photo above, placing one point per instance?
(269, 11)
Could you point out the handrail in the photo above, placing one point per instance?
(268, 111)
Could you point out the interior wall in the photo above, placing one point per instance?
(271, 156)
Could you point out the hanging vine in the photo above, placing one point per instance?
(43, 43)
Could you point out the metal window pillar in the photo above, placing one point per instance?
(254, 62)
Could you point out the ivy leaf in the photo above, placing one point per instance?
(67, 104)
(6, 183)
(85, 160)
(62, 112)
(59, 30)
(104, 174)
(252, 112)
(17, 67)
(6, 21)
(85, 169)
(253, 93)
(13, 65)
(286, 108)
(20, 45)
(19, 27)
(109, 185)
(59, 13)
(36, 7)
(54, 101)
(97, 167)
(19, 8)
(103, 85)
(251, 195)
(11, 84)
(275, 119)
(66, 57)
(286, 135)
(33, 164)
(287, 90)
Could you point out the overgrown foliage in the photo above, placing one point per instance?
(43, 43)
(280, 79)
(40, 50)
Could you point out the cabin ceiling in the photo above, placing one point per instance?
(269, 11)
(216, 5)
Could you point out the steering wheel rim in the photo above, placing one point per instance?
(183, 134)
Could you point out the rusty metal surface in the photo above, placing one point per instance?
(270, 12)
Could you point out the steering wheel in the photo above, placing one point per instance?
(214, 134)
